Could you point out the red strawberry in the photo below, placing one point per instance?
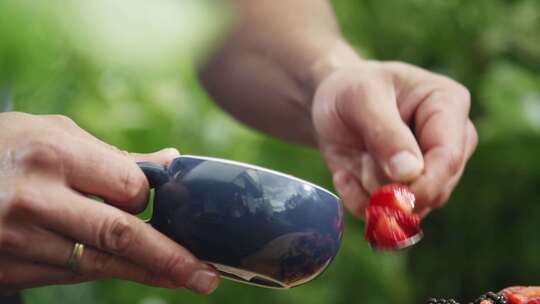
(395, 196)
(387, 232)
(410, 223)
(389, 217)
(522, 294)
(514, 299)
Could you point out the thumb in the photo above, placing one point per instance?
(371, 110)
(162, 157)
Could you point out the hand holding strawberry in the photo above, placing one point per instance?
(385, 122)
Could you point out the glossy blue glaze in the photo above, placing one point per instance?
(247, 220)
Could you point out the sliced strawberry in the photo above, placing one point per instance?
(387, 232)
(410, 223)
(395, 196)
(534, 301)
(389, 217)
(515, 299)
(521, 294)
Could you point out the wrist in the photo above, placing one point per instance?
(339, 55)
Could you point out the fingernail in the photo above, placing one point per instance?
(404, 166)
(203, 281)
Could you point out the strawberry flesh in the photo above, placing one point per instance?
(389, 218)
(522, 294)
(387, 232)
(395, 196)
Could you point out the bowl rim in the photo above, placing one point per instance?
(245, 165)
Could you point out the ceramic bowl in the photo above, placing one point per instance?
(255, 225)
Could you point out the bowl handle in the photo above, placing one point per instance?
(156, 174)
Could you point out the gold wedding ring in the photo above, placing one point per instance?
(76, 255)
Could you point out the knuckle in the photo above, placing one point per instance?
(463, 93)
(39, 153)
(61, 120)
(21, 200)
(351, 94)
(131, 183)
(454, 162)
(451, 91)
(397, 65)
(438, 94)
(175, 264)
(118, 234)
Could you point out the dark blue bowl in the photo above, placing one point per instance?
(254, 225)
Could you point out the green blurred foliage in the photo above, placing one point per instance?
(118, 79)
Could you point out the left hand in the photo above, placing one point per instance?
(381, 122)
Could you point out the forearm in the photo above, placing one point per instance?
(267, 71)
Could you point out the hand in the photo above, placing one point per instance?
(380, 122)
(46, 164)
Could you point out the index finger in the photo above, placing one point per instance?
(92, 167)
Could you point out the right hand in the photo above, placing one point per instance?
(47, 164)
(383, 122)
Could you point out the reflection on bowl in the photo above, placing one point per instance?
(255, 225)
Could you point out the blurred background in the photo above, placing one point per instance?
(125, 71)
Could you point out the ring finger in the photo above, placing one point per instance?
(55, 250)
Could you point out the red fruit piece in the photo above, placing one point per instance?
(390, 222)
(512, 299)
(395, 196)
(387, 232)
(515, 299)
(534, 301)
(410, 223)
(521, 294)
